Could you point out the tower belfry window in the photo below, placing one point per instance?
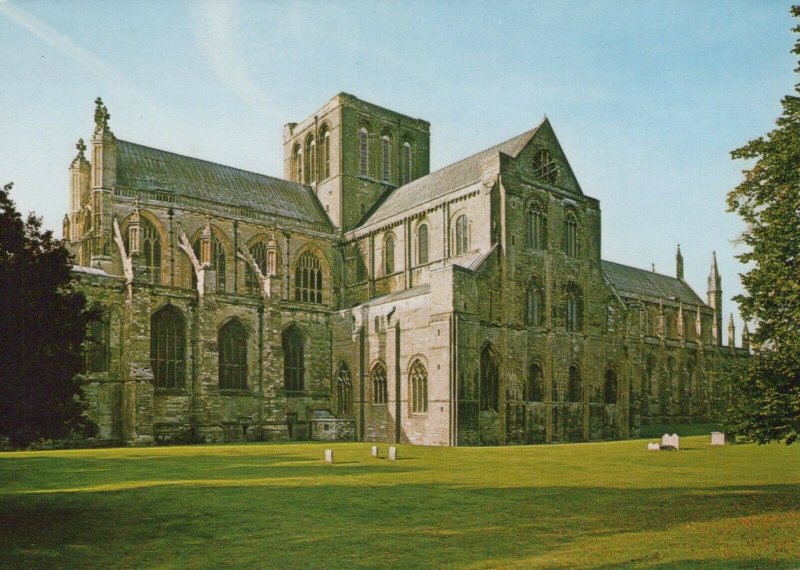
(386, 148)
(406, 164)
(363, 152)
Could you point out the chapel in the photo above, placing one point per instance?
(363, 297)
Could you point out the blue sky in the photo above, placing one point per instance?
(647, 98)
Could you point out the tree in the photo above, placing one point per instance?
(42, 328)
(767, 395)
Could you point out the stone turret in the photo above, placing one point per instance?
(679, 264)
(715, 298)
(79, 189)
(103, 179)
(731, 332)
(745, 337)
(679, 322)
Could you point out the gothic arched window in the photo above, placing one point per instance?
(293, 345)
(308, 279)
(406, 175)
(311, 161)
(96, 344)
(573, 308)
(462, 235)
(168, 348)
(297, 163)
(610, 387)
(574, 385)
(419, 388)
(363, 151)
(326, 152)
(386, 158)
(570, 235)
(535, 309)
(344, 391)
(490, 381)
(232, 343)
(422, 244)
(388, 255)
(259, 253)
(379, 388)
(150, 249)
(537, 227)
(535, 388)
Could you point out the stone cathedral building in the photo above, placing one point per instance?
(363, 297)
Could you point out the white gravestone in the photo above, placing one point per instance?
(653, 447)
(717, 438)
(671, 441)
(392, 453)
(374, 451)
(329, 455)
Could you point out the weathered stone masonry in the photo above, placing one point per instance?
(365, 298)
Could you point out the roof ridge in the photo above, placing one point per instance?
(212, 163)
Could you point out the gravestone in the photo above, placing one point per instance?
(374, 451)
(329, 455)
(671, 441)
(653, 447)
(717, 438)
(392, 453)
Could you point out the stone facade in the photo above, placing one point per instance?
(364, 298)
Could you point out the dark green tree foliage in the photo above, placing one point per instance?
(767, 395)
(42, 327)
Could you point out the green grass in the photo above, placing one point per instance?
(280, 506)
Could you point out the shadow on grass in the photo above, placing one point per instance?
(328, 526)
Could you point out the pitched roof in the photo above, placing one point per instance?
(144, 168)
(633, 281)
(445, 180)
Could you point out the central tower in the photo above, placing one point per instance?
(352, 153)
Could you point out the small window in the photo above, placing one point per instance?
(535, 386)
(379, 388)
(573, 308)
(422, 244)
(293, 345)
(311, 161)
(363, 152)
(388, 255)
(462, 235)
(96, 345)
(535, 308)
(537, 227)
(297, 163)
(326, 153)
(574, 386)
(610, 387)
(419, 388)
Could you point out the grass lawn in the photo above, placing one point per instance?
(280, 506)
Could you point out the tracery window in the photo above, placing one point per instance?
(388, 255)
(419, 388)
(386, 157)
(363, 152)
(535, 388)
(573, 308)
(545, 167)
(610, 387)
(293, 345)
(406, 163)
(308, 279)
(570, 235)
(537, 227)
(422, 244)
(96, 345)
(168, 348)
(462, 234)
(344, 391)
(217, 262)
(535, 309)
(259, 253)
(379, 388)
(311, 161)
(574, 385)
(232, 343)
(490, 381)
(150, 249)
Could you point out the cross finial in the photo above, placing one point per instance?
(81, 146)
(101, 115)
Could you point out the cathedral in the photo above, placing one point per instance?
(363, 297)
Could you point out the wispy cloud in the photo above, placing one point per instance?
(217, 31)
